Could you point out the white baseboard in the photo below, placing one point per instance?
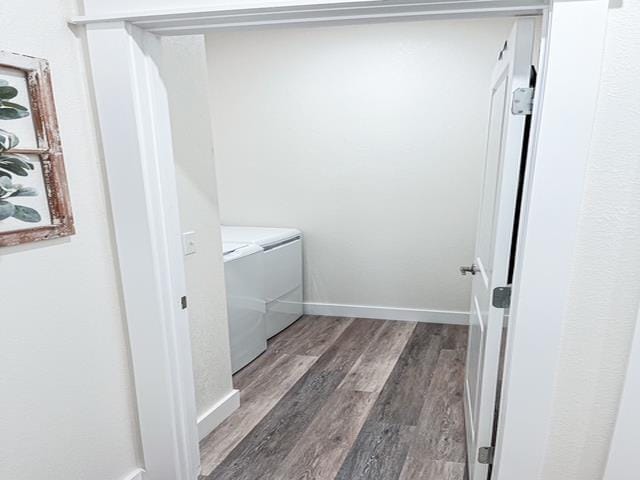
(388, 313)
(218, 413)
(137, 474)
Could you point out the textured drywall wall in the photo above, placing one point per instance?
(606, 285)
(67, 409)
(184, 72)
(370, 139)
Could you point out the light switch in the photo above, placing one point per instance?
(189, 243)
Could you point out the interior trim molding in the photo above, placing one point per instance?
(217, 414)
(251, 13)
(137, 474)
(388, 313)
(124, 60)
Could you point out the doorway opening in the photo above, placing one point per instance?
(280, 160)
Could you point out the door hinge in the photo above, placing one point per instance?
(183, 302)
(501, 297)
(485, 455)
(522, 101)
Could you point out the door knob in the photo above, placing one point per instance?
(472, 269)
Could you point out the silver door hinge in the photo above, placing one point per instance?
(522, 101)
(501, 297)
(183, 302)
(485, 455)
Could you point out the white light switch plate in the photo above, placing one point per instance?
(189, 243)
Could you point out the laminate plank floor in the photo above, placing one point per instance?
(347, 398)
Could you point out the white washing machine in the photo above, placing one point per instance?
(244, 282)
(282, 271)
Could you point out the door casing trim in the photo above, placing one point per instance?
(137, 148)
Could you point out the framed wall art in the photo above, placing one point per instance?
(34, 197)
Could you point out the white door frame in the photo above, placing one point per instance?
(133, 115)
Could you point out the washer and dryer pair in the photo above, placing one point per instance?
(263, 278)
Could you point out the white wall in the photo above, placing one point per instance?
(370, 139)
(185, 74)
(606, 285)
(66, 402)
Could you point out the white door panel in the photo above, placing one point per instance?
(505, 138)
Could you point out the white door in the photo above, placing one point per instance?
(493, 243)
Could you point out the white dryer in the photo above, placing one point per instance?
(244, 282)
(282, 271)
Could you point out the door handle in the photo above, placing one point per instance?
(472, 269)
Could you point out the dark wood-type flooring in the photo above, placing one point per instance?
(347, 399)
